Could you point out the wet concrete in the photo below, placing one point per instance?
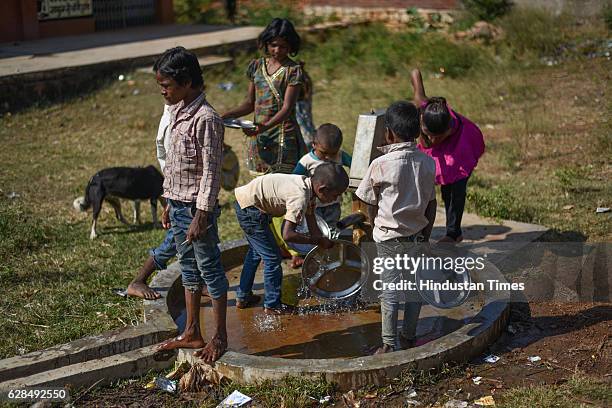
(321, 328)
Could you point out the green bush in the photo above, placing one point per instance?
(195, 11)
(607, 14)
(261, 12)
(534, 30)
(437, 53)
(378, 49)
(488, 9)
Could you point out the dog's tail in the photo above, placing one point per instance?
(83, 203)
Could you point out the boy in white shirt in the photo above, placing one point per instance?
(400, 187)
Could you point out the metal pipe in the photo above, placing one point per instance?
(352, 219)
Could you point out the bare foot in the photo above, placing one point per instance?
(141, 290)
(384, 349)
(213, 350)
(182, 341)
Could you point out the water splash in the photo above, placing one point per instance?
(267, 323)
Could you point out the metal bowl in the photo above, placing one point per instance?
(303, 249)
(444, 299)
(336, 273)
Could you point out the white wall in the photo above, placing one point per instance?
(581, 8)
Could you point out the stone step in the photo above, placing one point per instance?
(205, 61)
(88, 348)
(101, 371)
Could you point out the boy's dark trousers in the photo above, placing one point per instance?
(454, 203)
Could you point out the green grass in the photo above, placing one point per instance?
(576, 392)
(549, 123)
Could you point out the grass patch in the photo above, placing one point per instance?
(577, 392)
(500, 202)
(530, 29)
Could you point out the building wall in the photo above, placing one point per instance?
(404, 4)
(73, 26)
(19, 21)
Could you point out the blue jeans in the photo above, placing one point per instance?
(164, 252)
(200, 260)
(262, 246)
(390, 301)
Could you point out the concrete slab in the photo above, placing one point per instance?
(82, 350)
(105, 370)
(49, 55)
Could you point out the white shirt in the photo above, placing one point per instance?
(162, 142)
(401, 183)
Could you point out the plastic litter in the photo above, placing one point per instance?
(568, 207)
(601, 210)
(121, 77)
(533, 359)
(477, 380)
(413, 402)
(235, 399)
(226, 86)
(491, 359)
(511, 329)
(12, 195)
(487, 401)
(120, 292)
(411, 393)
(165, 384)
(456, 404)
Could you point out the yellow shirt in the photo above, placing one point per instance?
(279, 195)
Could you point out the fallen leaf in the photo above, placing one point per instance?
(487, 401)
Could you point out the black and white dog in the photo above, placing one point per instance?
(134, 183)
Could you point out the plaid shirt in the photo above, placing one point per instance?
(193, 161)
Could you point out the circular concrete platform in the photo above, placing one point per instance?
(324, 341)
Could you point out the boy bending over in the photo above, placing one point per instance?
(278, 195)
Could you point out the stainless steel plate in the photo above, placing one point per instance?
(336, 273)
(238, 124)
